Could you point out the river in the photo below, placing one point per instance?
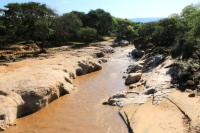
(82, 111)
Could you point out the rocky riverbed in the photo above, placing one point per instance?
(152, 103)
(29, 85)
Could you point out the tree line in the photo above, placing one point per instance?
(179, 33)
(26, 22)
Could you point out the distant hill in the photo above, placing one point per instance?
(146, 20)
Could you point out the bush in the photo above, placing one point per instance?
(88, 34)
(67, 27)
(125, 30)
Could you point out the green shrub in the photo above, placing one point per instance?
(88, 34)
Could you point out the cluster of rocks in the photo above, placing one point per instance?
(137, 54)
(133, 78)
(153, 62)
(185, 75)
(140, 88)
(138, 93)
(149, 80)
(117, 43)
(148, 62)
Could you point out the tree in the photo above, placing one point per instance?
(100, 20)
(125, 30)
(145, 32)
(22, 20)
(88, 34)
(165, 32)
(67, 27)
(82, 16)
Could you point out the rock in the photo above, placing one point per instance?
(149, 45)
(191, 95)
(195, 56)
(79, 71)
(133, 78)
(100, 54)
(108, 50)
(124, 42)
(87, 67)
(134, 68)
(153, 62)
(113, 100)
(124, 76)
(189, 90)
(198, 86)
(190, 83)
(150, 91)
(141, 63)
(137, 53)
(132, 86)
(143, 82)
(102, 60)
(9, 107)
(121, 43)
(130, 99)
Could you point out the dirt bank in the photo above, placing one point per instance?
(29, 85)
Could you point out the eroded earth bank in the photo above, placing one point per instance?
(29, 85)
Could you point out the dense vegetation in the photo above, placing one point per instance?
(36, 22)
(179, 33)
(178, 36)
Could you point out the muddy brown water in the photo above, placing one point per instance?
(82, 111)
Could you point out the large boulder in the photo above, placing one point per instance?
(124, 42)
(134, 68)
(85, 67)
(100, 54)
(9, 107)
(34, 88)
(153, 62)
(107, 50)
(137, 53)
(185, 75)
(125, 98)
(133, 78)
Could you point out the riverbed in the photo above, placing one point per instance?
(82, 111)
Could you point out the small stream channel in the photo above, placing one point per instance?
(82, 111)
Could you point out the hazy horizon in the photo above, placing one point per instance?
(124, 9)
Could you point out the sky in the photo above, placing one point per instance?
(118, 8)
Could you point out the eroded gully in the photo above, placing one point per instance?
(82, 111)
